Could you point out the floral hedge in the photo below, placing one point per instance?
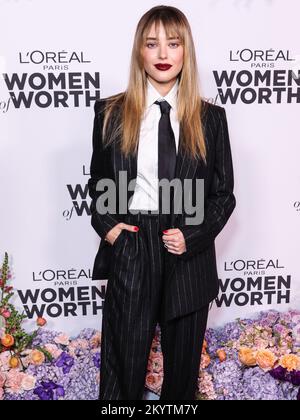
(249, 359)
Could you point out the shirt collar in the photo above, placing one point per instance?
(153, 95)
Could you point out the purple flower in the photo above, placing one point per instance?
(227, 380)
(43, 337)
(65, 361)
(87, 333)
(298, 396)
(96, 360)
(259, 386)
(289, 391)
(49, 391)
(295, 377)
(268, 319)
(279, 373)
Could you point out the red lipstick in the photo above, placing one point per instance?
(163, 67)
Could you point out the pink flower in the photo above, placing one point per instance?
(53, 350)
(154, 381)
(4, 361)
(205, 361)
(6, 314)
(78, 344)
(156, 363)
(2, 379)
(296, 317)
(1, 394)
(14, 381)
(261, 343)
(206, 387)
(62, 339)
(28, 382)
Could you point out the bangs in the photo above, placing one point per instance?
(171, 25)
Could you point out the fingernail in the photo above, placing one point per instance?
(135, 228)
(165, 231)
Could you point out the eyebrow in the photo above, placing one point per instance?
(154, 39)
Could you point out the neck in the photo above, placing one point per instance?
(163, 87)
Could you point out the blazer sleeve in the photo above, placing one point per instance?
(102, 223)
(220, 201)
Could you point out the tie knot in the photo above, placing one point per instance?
(164, 106)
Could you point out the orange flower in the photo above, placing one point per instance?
(204, 347)
(41, 322)
(290, 362)
(37, 357)
(7, 340)
(14, 362)
(247, 356)
(265, 359)
(221, 355)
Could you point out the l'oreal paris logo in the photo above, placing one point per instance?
(52, 57)
(270, 55)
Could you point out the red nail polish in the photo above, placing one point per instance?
(136, 228)
(165, 231)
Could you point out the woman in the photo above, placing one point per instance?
(161, 267)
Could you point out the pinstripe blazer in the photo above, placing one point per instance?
(192, 276)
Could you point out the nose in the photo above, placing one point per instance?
(162, 51)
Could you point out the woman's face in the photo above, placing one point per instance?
(162, 51)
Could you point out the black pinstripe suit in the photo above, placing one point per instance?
(190, 281)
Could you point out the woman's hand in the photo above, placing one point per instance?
(174, 241)
(112, 235)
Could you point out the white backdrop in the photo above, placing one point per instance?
(46, 146)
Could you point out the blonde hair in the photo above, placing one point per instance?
(132, 102)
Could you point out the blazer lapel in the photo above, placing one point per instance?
(185, 169)
(129, 165)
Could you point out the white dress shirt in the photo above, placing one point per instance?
(145, 196)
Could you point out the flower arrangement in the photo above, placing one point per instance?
(254, 359)
(13, 337)
(44, 365)
(250, 359)
(244, 360)
(69, 372)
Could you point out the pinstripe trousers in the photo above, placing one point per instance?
(134, 297)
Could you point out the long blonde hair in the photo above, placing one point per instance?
(132, 102)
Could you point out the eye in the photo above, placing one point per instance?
(175, 43)
(149, 45)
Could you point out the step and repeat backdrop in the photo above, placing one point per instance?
(56, 58)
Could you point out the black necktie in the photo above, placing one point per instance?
(166, 147)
